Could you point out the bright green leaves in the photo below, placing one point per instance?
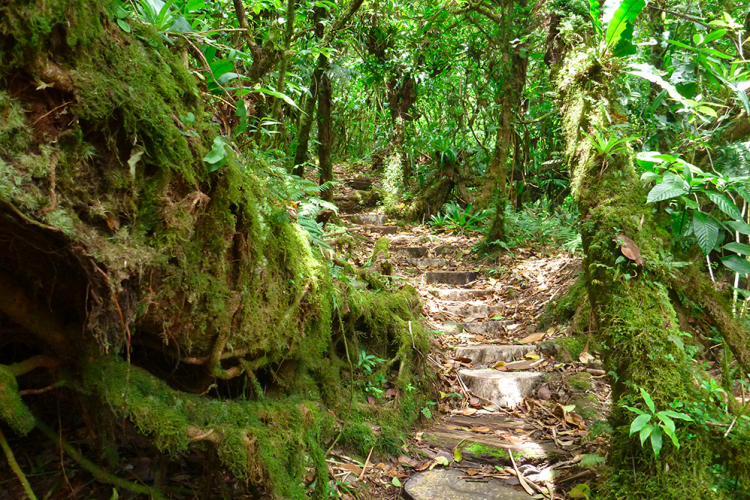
(215, 158)
(650, 425)
(619, 18)
(594, 11)
(706, 231)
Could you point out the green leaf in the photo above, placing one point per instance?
(656, 439)
(725, 204)
(580, 491)
(639, 423)
(624, 15)
(635, 410)
(739, 226)
(645, 433)
(677, 415)
(123, 25)
(594, 11)
(647, 398)
(396, 482)
(591, 460)
(668, 422)
(714, 35)
(217, 154)
(664, 191)
(737, 264)
(115, 495)
(706, 231)
(739, 248)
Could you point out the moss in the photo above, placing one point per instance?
(479, 449)
(580, 381)
(380, 249)
(587, 406)
(13, 411)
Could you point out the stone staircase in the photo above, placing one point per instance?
(497, 373)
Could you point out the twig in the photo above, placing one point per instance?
(51, 111)
(730, 427)
(364, 468)
(15, 467)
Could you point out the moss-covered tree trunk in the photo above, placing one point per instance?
(325, 135)
(632, 306)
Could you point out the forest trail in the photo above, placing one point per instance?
(508, 391)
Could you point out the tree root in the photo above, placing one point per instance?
(15, 467)
(95, 470)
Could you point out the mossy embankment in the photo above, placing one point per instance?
(183, 297)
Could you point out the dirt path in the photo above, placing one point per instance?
(513, 400)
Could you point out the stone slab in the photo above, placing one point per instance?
(451, 277)
(505, 389)
(445, 250)
(381, 229)
(475, 312)
(410, 252)
(370, 219)
(485, 327)
(447, 485)
(491, 354)
(429, 262)
(458, 294)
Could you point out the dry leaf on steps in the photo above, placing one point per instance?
(482, 430)
(585, 357)
(534, 337)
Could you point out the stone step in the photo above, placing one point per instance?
(469, 311)
(459, 294)
(410, 252)
(370, 219)
(429, 262)
(448, 485)
(486, 327)
(446, 250)
(381, 229)
(451, 277)
(505, 389)
(491, 354)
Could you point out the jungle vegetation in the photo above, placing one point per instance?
(162, 166)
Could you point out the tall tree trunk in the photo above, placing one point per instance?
(632, 307)
(286, 55)
(325, 135)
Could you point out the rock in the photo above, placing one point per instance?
(460, 295)
(381, 229)
(446, 485)
(429, 262)
(491, 354)
(485, 327)
(370, 219)
(445, 250)
(451, 277)
(410, 252)
(475, 312)
(505, 389)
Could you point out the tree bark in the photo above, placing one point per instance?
(325, 135)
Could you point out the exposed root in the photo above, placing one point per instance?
(15, 467)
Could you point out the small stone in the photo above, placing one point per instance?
(447, 485)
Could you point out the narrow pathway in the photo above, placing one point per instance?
(506, 399)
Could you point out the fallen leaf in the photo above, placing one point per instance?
(372, 400)
(534, 337)
(350, 468)
(467, 412)
(404, 460)
(457, 455)
(630, 250)
(544, 393)
(391, 393)
(423, 466)
(532, 356)
(463, 360)
(580, 491)
(482, 430)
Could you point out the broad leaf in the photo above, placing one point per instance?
(656, 440)
(668, 422)
(647, 398)
(651, 74)
(624, 15)
(677, 415)
(639, 423)
(739, 248)
(737, 264)
(739, 226)
(664, 191)
(725, 204)
(706, 231)
(645, 433)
